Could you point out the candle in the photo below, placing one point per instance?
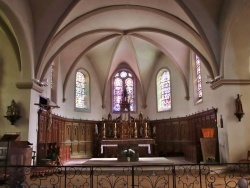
(104, 125)
(96, 129)
(146, 125)
(135, 124)
(115, 125)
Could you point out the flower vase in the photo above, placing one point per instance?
(128, 159)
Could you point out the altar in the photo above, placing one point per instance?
(116, 136)
(115, 147)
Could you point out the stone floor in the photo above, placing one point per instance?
(153, 160)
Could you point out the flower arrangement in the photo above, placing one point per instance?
(128, 152)
(210, 159)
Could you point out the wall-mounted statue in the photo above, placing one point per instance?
(239, 109)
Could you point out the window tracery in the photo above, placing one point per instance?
(82, 90)
(164, 91)
(123, 81)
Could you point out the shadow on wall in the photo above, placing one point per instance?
(1, 79)
(1, 72)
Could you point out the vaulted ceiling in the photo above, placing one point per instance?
(113, 32)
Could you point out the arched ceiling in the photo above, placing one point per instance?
(112, 32)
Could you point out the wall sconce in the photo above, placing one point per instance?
(13, 113)
(239, 109)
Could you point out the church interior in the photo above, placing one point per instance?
(95, 78)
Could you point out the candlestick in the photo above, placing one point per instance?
(135, 131)
(115, 132)
(104, 131)
(96, 129)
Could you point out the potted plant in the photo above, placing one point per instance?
(128, 153)
(210, 159)
(53, 153)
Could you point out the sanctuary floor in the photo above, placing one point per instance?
(142, 161)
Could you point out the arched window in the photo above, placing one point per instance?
(163, 90)
(82, 90)
(198, 76)
(123, 78)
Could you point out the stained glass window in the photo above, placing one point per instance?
(51, 75)
(123, 79)
(198, 76)
(80, 90)
(164, 90)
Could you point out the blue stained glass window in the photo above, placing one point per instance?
(121, 79)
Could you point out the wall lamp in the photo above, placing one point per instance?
(13, 113)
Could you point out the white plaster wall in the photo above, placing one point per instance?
(179, 104)
(8, 91)
(67, 108)
(33, 119)
(236, 51)
(234, 136)
(207, 93)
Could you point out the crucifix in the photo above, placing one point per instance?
(48, 109)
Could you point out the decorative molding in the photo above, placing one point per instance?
(222, 82)
(29, 85)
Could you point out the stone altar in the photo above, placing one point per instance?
(114, 147)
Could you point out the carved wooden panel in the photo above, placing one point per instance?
(74, 148)
(68, 126)
(89, 149)
(75, 131)
(89, 132)
(174, 135)
(81, 132)
(41, 128)
(125, 131)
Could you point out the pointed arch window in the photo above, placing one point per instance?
(123, 78)
(163, 91)
(82, 90)
(198, 76)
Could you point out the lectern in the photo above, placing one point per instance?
(8, 138)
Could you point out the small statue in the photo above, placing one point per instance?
(124, 93)
(239, 108)
(140, 117)
(109, 117)
(96, 129)
(154, 130)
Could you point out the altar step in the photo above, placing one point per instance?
(79, 161)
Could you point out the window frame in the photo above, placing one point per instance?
(158, 90)
(87, 90)
(134, 90)
(197, 99)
